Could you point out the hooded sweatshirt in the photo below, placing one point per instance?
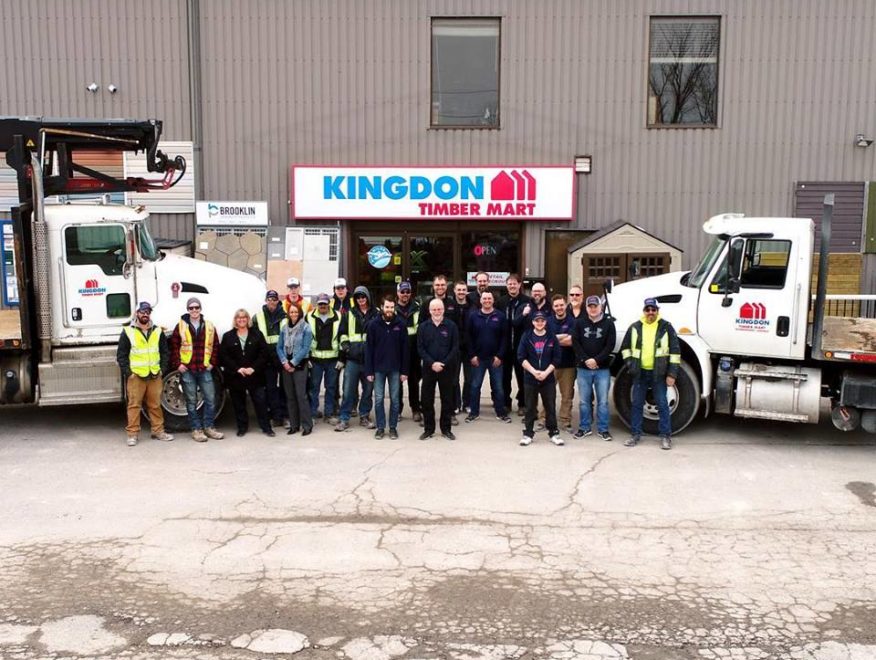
(593, 339)
(386, 347)
(355, 322)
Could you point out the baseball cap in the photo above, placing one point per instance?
(272, 294)
(539, 315)
(340, 282)
(144, 307)
(323, 299)
(651, 302)
(404, 286)
(292, 281)
(593, 300)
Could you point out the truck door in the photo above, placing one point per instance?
(96, 291)
(758, 319)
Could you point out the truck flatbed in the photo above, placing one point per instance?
(10, 325)
(844, 333)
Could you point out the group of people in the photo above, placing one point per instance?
(294, 355)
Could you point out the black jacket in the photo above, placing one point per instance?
(253, 354)
(123, 353)
(666, 365)
(593, 340)
(513, 310)
(438, 343)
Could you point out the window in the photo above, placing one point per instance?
(683, 72)
(491, 252)
(465, 72)
(765, 264)
(96, 245)
(118, 306)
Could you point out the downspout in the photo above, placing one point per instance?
(821, 291)
(193, 24)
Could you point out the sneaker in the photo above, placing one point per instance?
(665, 442)
(163, 436)
(449, 435)
(418, 417)
(568, 428)
(525, 441)
(365, 421)
(132, 440)
(605, 435)
(425, 435)
(393, 434)
(539, 426)
(332, 420)
(378, 434)
(557, 439)
(633, 441)
(583, 433)
(454, 421)
(504, 418)
(199, 436)
(342, 426)
(213, 434)
(471, 418)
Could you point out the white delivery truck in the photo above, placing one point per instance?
(756, 340)
(82, 268)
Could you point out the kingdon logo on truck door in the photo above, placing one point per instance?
(752, 317)
(92, 288)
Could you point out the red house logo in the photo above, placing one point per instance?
(752, 311)
(516, 185)
(92, 288)
(91, 284)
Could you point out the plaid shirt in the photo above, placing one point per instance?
(197, 362)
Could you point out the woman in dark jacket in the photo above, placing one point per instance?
(244, 356)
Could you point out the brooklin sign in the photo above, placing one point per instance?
(392, 193)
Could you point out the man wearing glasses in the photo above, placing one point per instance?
(653, 356)
(143, 357)
(194, 352)
(593, 338)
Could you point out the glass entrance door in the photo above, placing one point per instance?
(429, 256)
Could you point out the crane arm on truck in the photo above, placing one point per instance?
(57, 141)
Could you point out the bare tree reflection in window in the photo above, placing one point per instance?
(683, 72)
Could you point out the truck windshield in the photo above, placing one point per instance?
(146, 245)
(698, 275)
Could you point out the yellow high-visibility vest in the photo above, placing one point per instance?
(145, 358)
(262, 323)
(185, 347)
(325, 354)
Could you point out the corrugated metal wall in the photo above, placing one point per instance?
(347, 82)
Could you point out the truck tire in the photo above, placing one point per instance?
(684, 400)
(173, 402)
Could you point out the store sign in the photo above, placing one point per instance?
(496, 278)
(515, 192)
(245, 214)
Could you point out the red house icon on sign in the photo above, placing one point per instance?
(752, 311)
(513, 186)
(91, 284)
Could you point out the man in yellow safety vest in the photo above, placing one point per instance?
(143, 358)
(194, 352)
(270, 321)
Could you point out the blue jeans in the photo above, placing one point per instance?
(587, 380)
(191, 381)
(381, 380)
(319, 372)
(641, 384)
(477, 380)
(354, 373)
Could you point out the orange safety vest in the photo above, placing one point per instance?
(185, 346)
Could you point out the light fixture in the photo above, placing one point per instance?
(112, 89)
(93, 87)
(862, 141)
(583, 164)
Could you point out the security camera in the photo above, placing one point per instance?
(112, 89)
(862, 141)
(93, 87)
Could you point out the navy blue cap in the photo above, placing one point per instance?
(404, 286)
(144, 307)
(272, 294)
(651, 302)
(539, 315)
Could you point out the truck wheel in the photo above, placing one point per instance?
(684, 400)
(173, 402)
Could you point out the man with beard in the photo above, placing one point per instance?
(512, 306)
(561, 324)
(270, 321)
(538, 303)
(482, 282)
(353, 328)
(386, 364)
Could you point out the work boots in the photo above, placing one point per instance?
(213, 434)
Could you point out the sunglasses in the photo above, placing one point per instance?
(147, 312)
(195, 307)
(650, 309)
(575, 295)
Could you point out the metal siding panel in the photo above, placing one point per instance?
(175, 226)
(848, 212)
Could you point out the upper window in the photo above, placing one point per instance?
(465, 72)
(765, 264)
(683, 72)
(96, 245)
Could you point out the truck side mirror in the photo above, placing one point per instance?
(734, 260)
(607, 285)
